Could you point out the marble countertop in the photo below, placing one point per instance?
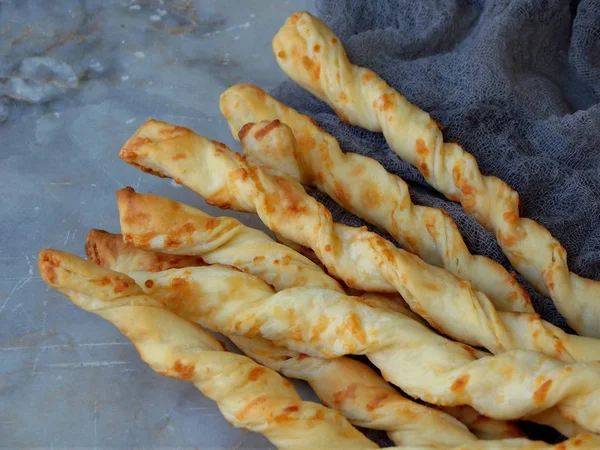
(77, 78)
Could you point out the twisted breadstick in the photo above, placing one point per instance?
(249, 395)
(152, 230)
(309, 53)
(110, 251)
(154, 223)
(329, 324)
(362, 259)
(364, 187)
(106, 249)
(360, 394)
(372, 403)
(163, 225)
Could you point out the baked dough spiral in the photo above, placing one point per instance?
(329, 324)
(249, 395)
(365, 188)
(363, 260)
(372, 403)
(309, 52)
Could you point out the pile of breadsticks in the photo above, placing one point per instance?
(449, 328)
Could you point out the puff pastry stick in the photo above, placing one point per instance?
(363, 260)
(152, 230)
(318, 62)
(111, 251)
(150, 222)
(328, 324)
(249, 395)
(369, 392)
(361, 395)
(155, 223)
(365, 188)
(370, 403)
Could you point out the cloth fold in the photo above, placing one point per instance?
(516, 83)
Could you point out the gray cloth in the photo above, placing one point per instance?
(516, 83)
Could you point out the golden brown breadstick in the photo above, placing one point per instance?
(115, 250)
(329, 324)
(249, 395)
(482, 426)
(259, 400)
(309, 52)
(355, 390)
(110, 251)
(363, 260)
(154, 223)
(373, 403)
(150, 229)
(163, 225)
(365, 188)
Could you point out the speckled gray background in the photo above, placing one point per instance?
(76, 79)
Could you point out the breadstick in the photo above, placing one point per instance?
(373, 403)
(328, 324)
(249, 395)
(154, 223)
(344, 383)
(363, 260)
(110, 251)
(483, 427)
(163, 225)
(151, 230)
(310, 54)
(406, 422)
(365, 188)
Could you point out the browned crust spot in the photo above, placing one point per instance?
(178, 282)
(244, 131)
(262, 132)
(423, 152)
(540, 395)
(121, 285)
(241, 414)
(341, 195)
(376, 401)
(347, 393)
(184, 371)
(256, 373)
(355, 327)
(368, 76)
(291, 409)
(460, 383)
(386, 102)
(511, 217)
(240, 174)
(129, 152)
(48, 263)
(313, 68)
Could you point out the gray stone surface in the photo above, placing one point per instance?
(76, 79)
